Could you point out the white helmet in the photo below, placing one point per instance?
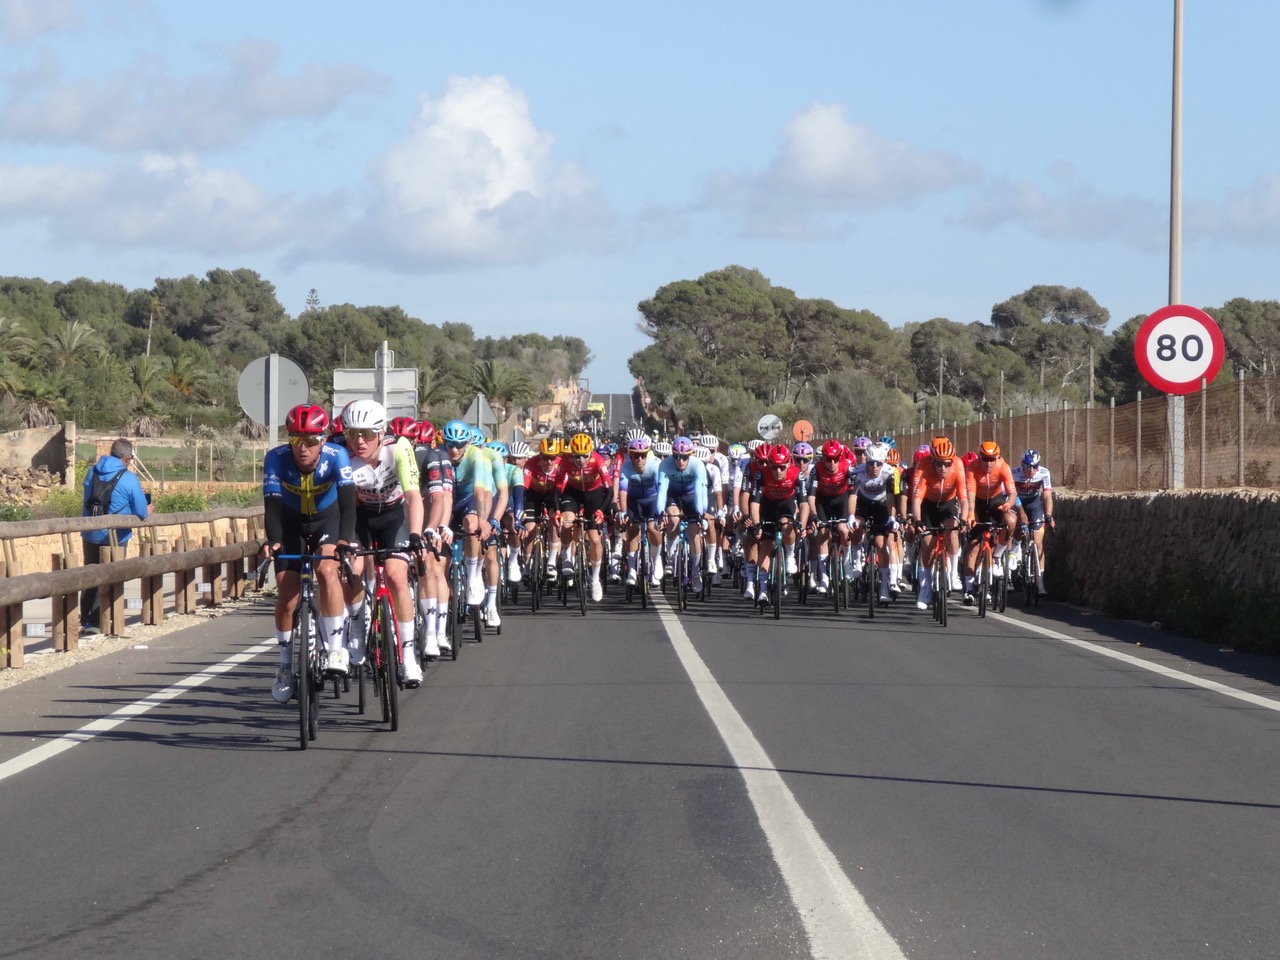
(364, 415)
(702, 453)
(879, 452)
(519, 449)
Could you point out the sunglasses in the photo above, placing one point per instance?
(875, 463)
(361, 434)
(941, 463)
(305, 440)
(680, 456)
(638, 454)
(457, 444)
(990, 459)
(802, 459)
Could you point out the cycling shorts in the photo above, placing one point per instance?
(643, 509)
(1035, 512)
(383, 529)
(536, 504)
(586, 503)
(875, 513)
(988, 510)
(306, 534)
(687, 504)
(933, 513)
(771, 511)
(835, 507)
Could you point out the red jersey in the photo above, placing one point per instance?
(542, 474)
(590, 474)
(832, 479)
(790, 486)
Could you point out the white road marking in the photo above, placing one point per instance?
(836, 918)
(1214, 685)
(90, 730)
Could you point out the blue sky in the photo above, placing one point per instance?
(545, 166)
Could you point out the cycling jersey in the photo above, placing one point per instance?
(928, 484)
(435, 470)
(590, 474)
(715, 481)
(875, 489)
(472, 474)
(306, 494)
(381, 484)
(832, 479)
(687, 484)
(1031, 482)
(640, 483)
(515, 486)
(989, 484)
(792, 485)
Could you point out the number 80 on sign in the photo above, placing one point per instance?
(1176, 347)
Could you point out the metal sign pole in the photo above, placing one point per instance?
(271, 383)
(1177, 404)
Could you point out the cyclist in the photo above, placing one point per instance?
(638, 483)
(435, 472)
(682, 494)
(543, 480)
(939, 498)
(829, 487)
(513, 518)
(780, 496)
(752, 471)
(1035, 492)
(587, 489)
(493, 534)
(473, 487)
(993, 495)
(389, 515)
(309, 507)
(875, 487)
(718, 537)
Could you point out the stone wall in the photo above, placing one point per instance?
(1201, 562)
(39, 449)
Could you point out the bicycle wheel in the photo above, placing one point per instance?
(380, 668)
(457, 594)
(387, 643)
(779, 577)
(535, 571)
(869, 582)
(1002, 584)
(304, 640)
(681, 574)
(581, 571)
(941, 587)
(1031, 566)
(642, 572)
(802, 570)
(984, 579)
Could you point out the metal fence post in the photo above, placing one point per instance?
(1063, 426)
(1111, 450)
(1240, 438)
(1138, 445)
(1204, 404)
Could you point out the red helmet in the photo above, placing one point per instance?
(404, 427)
(833, 449)
(762, 452)
(779, 456)
(969, 458)
(335, 426)
(426, 432)
(306, 418)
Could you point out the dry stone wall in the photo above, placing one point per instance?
(1201, 562)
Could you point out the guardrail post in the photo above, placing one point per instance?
(65, 612)
(11, 630)
(111, 596)
(184, 584)
(212, 576)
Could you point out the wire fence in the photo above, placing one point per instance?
(1231, 438)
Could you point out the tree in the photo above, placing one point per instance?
(502, 384)
(67, 342)
(1251, 331)
(313, 299)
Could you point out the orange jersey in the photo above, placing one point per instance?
(928, 484)
(985, 484)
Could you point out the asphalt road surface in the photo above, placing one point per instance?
(637, 784)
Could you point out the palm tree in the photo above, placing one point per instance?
(66, 342)
(501, 384)
(154, 308)
(187, 377)
(14, 342)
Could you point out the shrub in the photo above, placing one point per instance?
(11, 510)
(178, 503)
(236, 498)
(62, 503)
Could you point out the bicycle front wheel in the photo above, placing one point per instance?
(681, 573)
(387, 650)
(581, 572)
(304, 641)
(984, 580)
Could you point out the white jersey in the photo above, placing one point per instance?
(875, 489)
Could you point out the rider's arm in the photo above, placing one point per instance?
(699, 488)
(273, 512)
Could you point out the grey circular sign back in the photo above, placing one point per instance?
(290, 388)
(769, 427)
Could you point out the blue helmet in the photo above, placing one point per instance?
(1031, 458)
(457, 433)
(888, 441)
(499, 446)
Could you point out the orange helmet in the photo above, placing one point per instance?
(895, 458)
(989, 450)
(942, 449)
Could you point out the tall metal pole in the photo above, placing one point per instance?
(1177, 404)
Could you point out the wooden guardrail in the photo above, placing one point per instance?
(195, 553)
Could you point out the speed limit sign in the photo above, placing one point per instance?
(1177, 346)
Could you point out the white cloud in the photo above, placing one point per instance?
(828, 169)
(476, 182)
(147, 107)
(23, 20)
(167, 201)
(1248, 216)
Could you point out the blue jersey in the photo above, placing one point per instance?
(689, 482)
(310, 493)
(640, 483)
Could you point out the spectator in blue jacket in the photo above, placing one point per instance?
(126, 497)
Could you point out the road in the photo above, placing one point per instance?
(645, 785)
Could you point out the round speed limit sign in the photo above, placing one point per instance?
(1178, 345)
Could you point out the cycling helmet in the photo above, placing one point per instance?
(609, 449)
(306, 419)
(681, 446)
(640, 444)
(364, 415)
(662, 448)
(989, 450)
(404, 427)
(887, 441)
(1031, 458)
(762, 452)
(969, 458)
(779, 456)
(335, 426)
(503, 450)
(922, 453)
(802, 450)
(635, 434)
(711, 441)
(549, 447)
(519, 450)
(754, 444)
(877, 453)
(702, 453)
(942, 449)
(456, 433)
(737, 451)
(478, 437)
(833, 449)
(581, 445)
(426, 433)
(861, 443)
(894, 457)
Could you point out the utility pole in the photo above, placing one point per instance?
(941, 361)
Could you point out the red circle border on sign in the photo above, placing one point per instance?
(1148, 327)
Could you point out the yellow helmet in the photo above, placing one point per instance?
(549, 447)
(581, 445)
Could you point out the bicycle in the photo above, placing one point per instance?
(458, 606)
(384, 656)
(682, 571)
(936, 568)
(777, 566)
(643, 566)
(986, 561)
(308, 674)
(579, 575)
(536, 572)
(1029, 570)
(837, 576)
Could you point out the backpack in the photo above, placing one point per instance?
(100, 492)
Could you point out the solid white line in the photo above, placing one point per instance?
(90, 730)
(1214, 685)
(836, 918)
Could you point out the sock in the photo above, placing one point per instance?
(284, 638)
(333, 630)
(405, 632)
(472, 565)
(895, 572)
(491, 597)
